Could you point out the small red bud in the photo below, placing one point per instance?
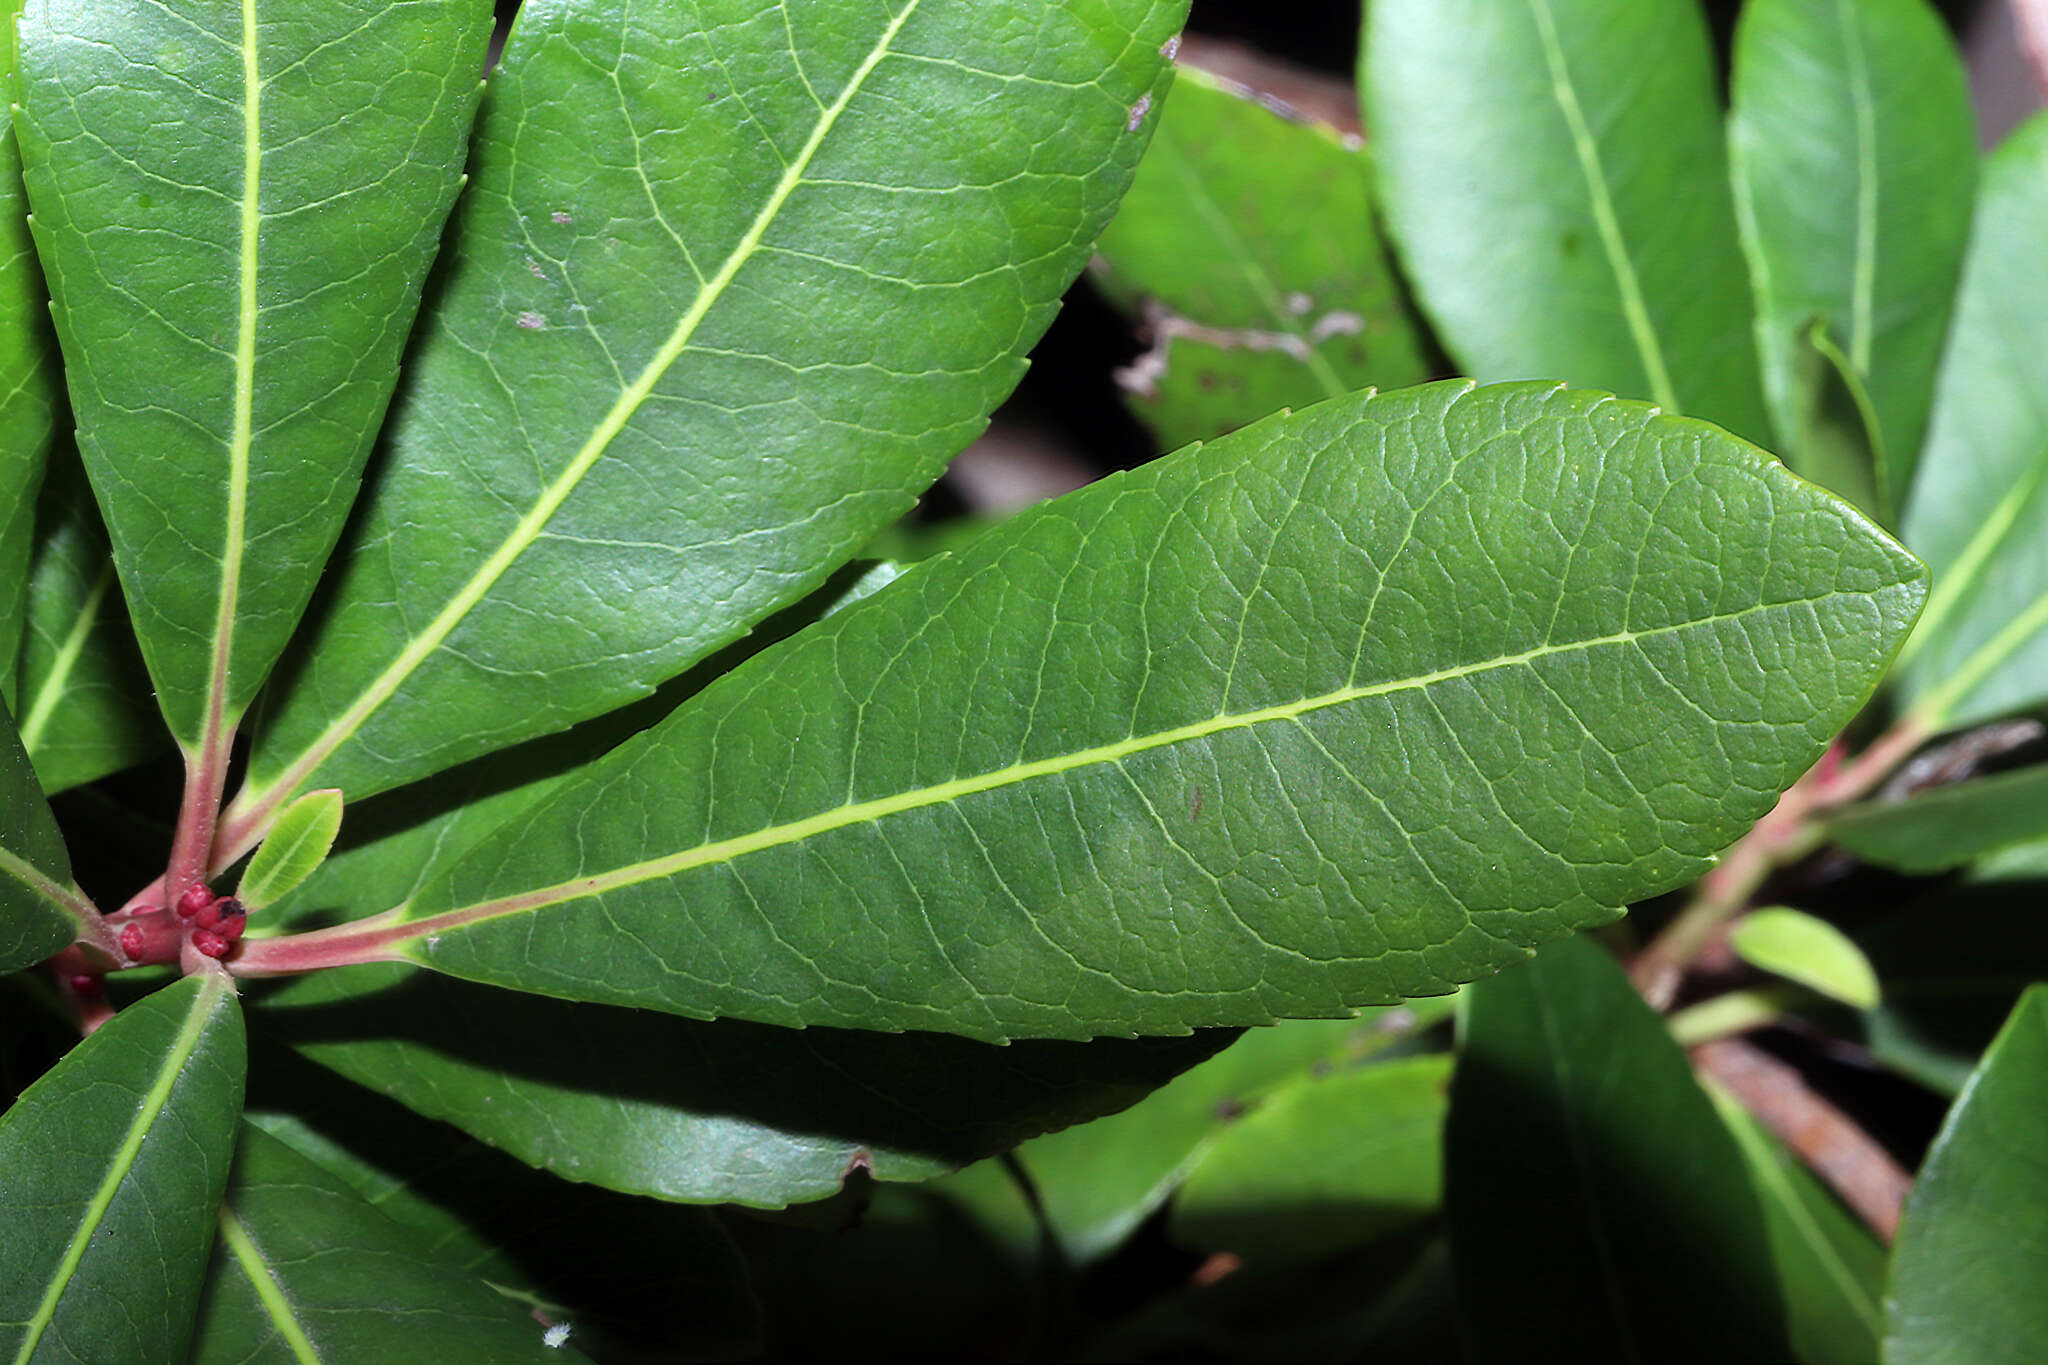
(232, 922)
(196, 898)
(83, 984)
(207, 915)
(209, 943)
(132, 941)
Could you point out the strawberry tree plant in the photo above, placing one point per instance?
(464, 486)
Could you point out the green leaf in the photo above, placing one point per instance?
(1830, 1269)
(1324, 1165)
(1248, 244)
(1553, 173)
(230, 351)
(41, 910)
(1599, 1209)
(306, 1271)
(1097, 1182)
(1948, 826)
(715, 313)
(1970, 1259)
(1854, 153)
(111, 1170)
(723, 1112)
(1367, 732)
(28, 381)
(294, 849)
(1802, 948)
(87, 708)
(1835, 439)
(1979, 510)
(582, 1255)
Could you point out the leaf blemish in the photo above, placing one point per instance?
(1138, 112)
(559, 217)
(531, 321)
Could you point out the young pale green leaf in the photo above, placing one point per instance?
(1979, 510)
(28, 380)
(41, 910)
(1830, 1269)
(85, 703)
(733, 282)
(1802, 948)
(236, 205)
(1854, 154)
(1248, 245)
(1949, 826)
(306, 1271)
(1350, 706)
(111, 1171)
(1096, 1183)
(1553, 174)
(1321, 1166)
(1599, 1210)
(1971, 1259)
(293, 850)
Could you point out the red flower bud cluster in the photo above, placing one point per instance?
(215, 925)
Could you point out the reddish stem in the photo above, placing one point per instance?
(1784, 835)
(206, 774)
(345, 945)
(1822, 1136)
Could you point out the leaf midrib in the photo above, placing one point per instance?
(277, 1305)
(153, 1102)
(1863, 286)
(623, 409)
(1586, 149)
(54, 684)
(863, 812)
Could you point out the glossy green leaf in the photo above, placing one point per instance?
(1835, 440)
(1248, 246)
(1979, 509)
(1553, 175)
(111, 1171)
(1971, 1258)
(1830, 1269)
(1097, 1182)
(1854, 155)
(715, 313)
(1323, 1165)
(1948, 826)
(40, 908)
(1806, 949)
(584, 1256)
(86, 705)
(28, 380)
(718, 1112)
(307, 1271)
(293, 850)
(1599, 1209)
(1279, 726)
(236, 205)
(651, 1103)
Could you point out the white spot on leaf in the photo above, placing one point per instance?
(1138, 112)
(531, 321)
